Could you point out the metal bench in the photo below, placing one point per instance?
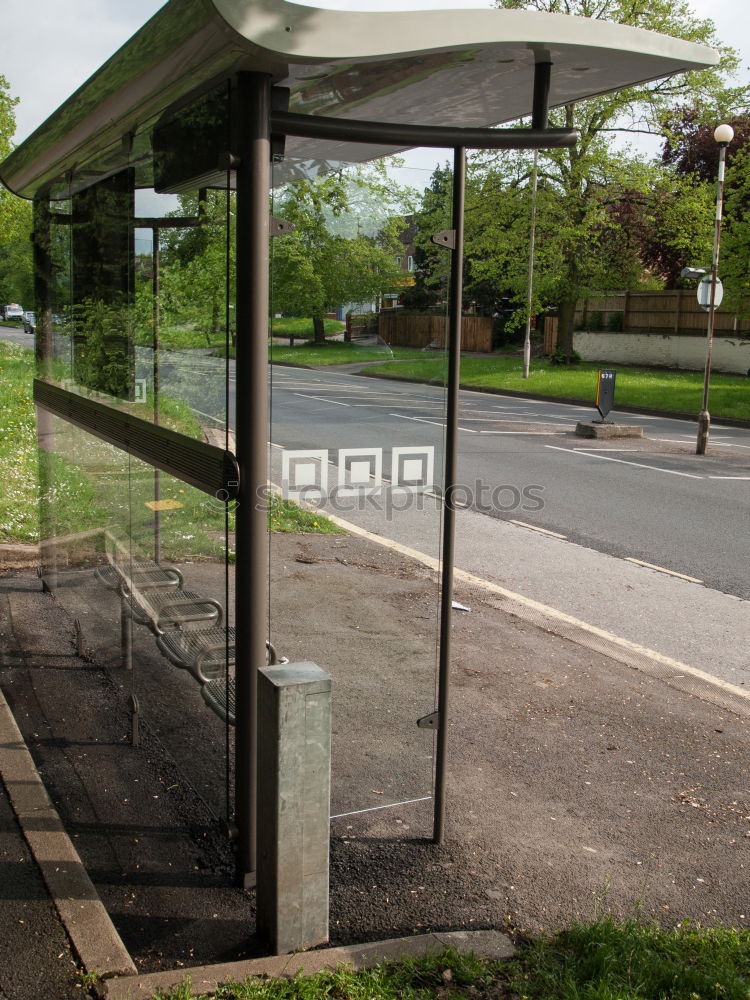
(205, 653)
(161, 610)
(219, 692)
(219, 696)
(143, 575)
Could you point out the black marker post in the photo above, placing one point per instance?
(605, 393)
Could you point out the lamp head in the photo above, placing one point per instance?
(692, 272)
(724, 134)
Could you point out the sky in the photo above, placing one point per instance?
(48, 48)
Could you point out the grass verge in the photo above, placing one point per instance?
(337, 352)
(606, 960)
(287, 516)
(649, 388)
(94, 485)
(298, 326)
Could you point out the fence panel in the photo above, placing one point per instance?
(399, 330)
(674, 311)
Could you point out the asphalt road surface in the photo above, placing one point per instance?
(564, 521)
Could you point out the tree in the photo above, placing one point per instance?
(16, 276)
(690, 146)
(585, 176)
(344, 245)
(735, 246)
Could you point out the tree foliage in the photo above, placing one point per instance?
(690, 146)
(344, 245)
(16, 277)
(581, 227)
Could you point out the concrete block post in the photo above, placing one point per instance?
(294, 782)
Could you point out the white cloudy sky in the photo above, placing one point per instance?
(49, 47)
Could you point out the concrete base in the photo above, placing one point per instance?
(591, 429)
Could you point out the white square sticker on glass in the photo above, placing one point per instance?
(304, 475)
(413, 469)
(360, 471)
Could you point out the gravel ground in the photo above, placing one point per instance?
(576, 784)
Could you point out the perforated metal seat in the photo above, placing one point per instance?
(219, 692)
(204, 652)
(219, 696)
(143, 575)
(170, 609)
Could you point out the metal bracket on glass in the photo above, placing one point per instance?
(280, 227)
(445, 238)
(431, 721)
(228, 161)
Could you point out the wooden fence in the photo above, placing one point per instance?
(399, 330)
(666, 312)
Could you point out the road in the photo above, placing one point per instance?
(563, 521)
(602, 506)
(653, 501)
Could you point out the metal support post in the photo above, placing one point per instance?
(45, 351)
(156, 290)
(450, 468)
(539, 118)
(253, 147)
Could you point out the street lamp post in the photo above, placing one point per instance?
(723, 135)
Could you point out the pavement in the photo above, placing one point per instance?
(583, 776)
(586, 774)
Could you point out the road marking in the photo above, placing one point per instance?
(501, 420)
(419, 420)
(682, 440)
(736, 478)
(662, 569)
(320, 399)
(535, 527)
(638, 465)
(422, 420)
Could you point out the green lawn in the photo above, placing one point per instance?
(335, 352)
(606, 960)
(89, 483)
(651, 388)
(298, 326)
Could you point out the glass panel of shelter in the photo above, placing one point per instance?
(139, 292)
(370, 453)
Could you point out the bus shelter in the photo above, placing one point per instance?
(162, 196)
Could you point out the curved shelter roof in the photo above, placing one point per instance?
(448, 67)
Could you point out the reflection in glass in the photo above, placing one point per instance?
(102, 254)
(369, 452)
(139, 291)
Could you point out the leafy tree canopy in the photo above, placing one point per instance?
(345, 242)
(690, 146)
(15, 218)
(585, 182)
